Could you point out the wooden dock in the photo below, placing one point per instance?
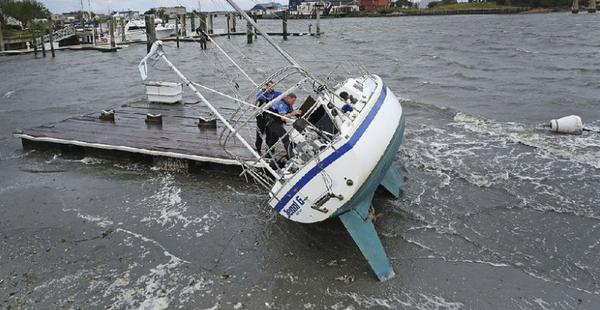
(130, 136)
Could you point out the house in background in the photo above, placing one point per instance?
(269, 10)
(373, 4)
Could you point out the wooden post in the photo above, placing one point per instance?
(249, 32)
(233, 28)
(284, 19)
(32, 29)
(1, 36)
(177, 32)
(150, 32)
(203, 24)
(50, 31)
(228, 27)
(255, 21)
(319, 21)
(592, 6)
(183, 26)
(42, 41)
(193, 23)
(111, 29)
(123, 38)
(575, 8)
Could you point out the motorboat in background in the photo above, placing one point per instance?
(135, 27)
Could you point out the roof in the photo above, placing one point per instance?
(264, 6)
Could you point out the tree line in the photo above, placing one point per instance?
(521, 3)
(22, 10)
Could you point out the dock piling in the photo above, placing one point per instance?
(228, 26)
(35, 51)
(42, 42)
(318, 23)
(233, 23)
(176, 32)
(151, 32)
(193, 21)
(209, 25)
(111, 30)
(123, 37)
(575, 7)
(249, 33)
(1, 36)
(203, 24)
(51, 30)
(284, 21)
(183, 26)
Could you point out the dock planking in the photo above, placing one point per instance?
(128, 135)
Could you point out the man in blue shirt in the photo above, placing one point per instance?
(285, 109)
(264, 95)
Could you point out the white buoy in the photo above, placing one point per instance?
(569, 124)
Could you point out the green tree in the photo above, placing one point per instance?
(23, 10)
(402, 3)
(433, 4)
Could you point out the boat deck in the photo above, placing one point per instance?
(129, 134)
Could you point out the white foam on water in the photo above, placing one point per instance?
(548, 280)
(578, 148)
(92, 161)
(167, 208)
(99, 220)
(65, 281)
(9, 93)
(530, 302)
(172, 257)
(195, 286)
(418, 301)
(153, 290)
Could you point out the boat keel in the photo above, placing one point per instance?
(359, 225)
(392, 181)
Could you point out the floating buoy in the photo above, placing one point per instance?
(569, 124)
(107, 115)
(153, 119)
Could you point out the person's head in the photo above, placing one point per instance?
(269, 86)
(290, 99)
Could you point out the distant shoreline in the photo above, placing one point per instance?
(471, 11)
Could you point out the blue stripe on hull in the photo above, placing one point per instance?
(335, 155)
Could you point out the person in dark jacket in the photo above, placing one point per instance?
(285, 109)
(264, 95)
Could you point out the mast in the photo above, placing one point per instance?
(285, 55)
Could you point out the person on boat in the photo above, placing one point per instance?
(264, 95)
(285, 109)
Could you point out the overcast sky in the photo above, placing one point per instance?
(102, 6)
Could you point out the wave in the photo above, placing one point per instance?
(584, 149)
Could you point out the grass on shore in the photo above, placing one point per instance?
(463, 6)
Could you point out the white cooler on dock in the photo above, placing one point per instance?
(164, 92)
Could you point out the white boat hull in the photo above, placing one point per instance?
(343, 168)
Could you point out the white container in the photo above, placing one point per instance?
(569, 124)
(164, 92)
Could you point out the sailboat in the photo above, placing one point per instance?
(344, 143)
